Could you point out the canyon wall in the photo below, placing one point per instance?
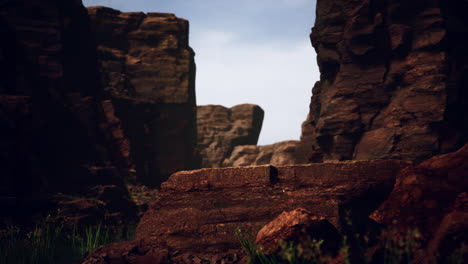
(88, 101)
(58, 131)
(393, 79)
(148, 71)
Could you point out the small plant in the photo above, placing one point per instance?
(254, 253)
(289, 252)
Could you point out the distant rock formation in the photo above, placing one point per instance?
(147, 69)
(278, 154)
(393, 79)
(221, 129)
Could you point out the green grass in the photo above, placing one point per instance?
(49, 243)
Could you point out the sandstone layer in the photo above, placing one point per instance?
(393, 79)
(221, 129)
(147, 69)
(197, 212)
(279, 154)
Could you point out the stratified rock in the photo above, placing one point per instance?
(221, 129)
(393, 79)
(279, 154)
(146, 56)
(58, 133)
(148, 70)
(298, 226)
(198, 212)
(425, 198)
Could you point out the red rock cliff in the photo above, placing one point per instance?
(147, 69)
(393, 79)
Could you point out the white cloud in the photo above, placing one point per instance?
(277, 76)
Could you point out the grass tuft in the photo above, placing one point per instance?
(50, 243)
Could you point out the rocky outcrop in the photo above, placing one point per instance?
(278, 154)
(431, 197)
(393, 79)
(221, 129)
(58, 133)
(298, 226)
(215, 202)
(148, 71)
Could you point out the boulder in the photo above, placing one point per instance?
(221, 129)
(299, 226)
(393, 80)
(430, 197)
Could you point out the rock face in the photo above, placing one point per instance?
(278, 154)
(58, 133)
(393, 79)
(214, 202)
(432, 198)
(148, 70)
(221, 129)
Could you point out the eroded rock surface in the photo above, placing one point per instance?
(431, 197)
(198, 212)
(393, 79)
(221, 129)
(298, 226)
(279, 154)
(147, 69)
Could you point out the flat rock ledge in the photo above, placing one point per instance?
(197, 212)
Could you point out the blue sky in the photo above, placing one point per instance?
(248, 51)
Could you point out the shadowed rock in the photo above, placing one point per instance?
(430, 197)
(147, 69)
(58, 133)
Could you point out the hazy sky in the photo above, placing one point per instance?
(248, 51)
